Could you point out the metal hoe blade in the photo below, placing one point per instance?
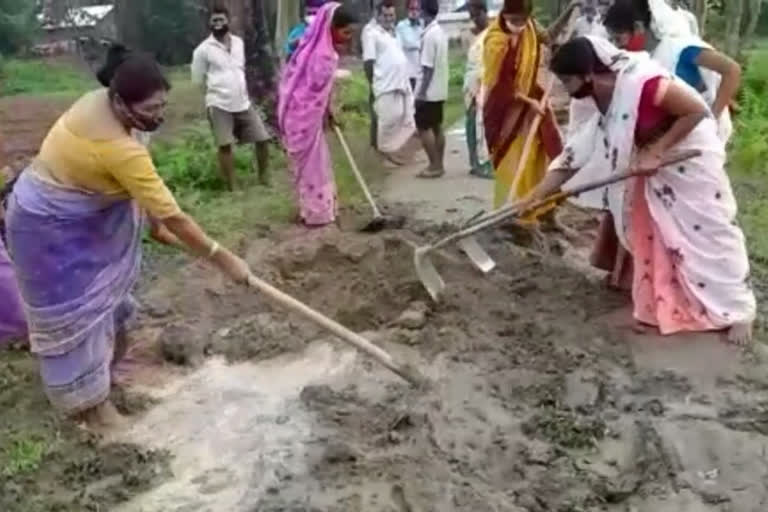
(427, 273)
(480, 259)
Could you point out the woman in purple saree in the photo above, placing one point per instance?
(304, 110)
(74, 225)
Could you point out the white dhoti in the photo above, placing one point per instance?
(396, 122)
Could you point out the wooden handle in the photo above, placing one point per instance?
(354, 339)
(556, 198)
(356, 171)
(532, 131)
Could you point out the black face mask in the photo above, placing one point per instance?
(585, 91)
(138, 121)
(221, 31)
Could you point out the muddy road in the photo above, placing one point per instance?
(542, 399)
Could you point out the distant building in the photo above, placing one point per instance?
(77, 26)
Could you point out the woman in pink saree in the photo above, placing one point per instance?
(304, 110)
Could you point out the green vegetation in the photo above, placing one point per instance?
(35, 76)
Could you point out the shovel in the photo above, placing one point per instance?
(426, 270)
(379, 221)
(471, 247)
(406, 372)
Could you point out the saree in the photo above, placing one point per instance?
(304, 97)
(479, 159)
(510, 69)
(668, 53)
(690, 257)
(13, 325)
(77, 256)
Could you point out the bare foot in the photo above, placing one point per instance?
(101, 417)
(740, 334)
(430, 173)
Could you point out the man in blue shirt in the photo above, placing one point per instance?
(409, 33)
(297, 32)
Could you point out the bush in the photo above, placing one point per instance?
(750, 144)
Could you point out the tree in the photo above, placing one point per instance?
(754, 9)
(18, 25)
(734, 14)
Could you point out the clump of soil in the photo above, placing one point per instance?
(48, 464)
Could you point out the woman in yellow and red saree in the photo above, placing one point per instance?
(512, 54)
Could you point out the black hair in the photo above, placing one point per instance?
(116, 55)
(430, 7)
(137, 78)
(577, 57)
(478, 4)
(343, 17)
(623, 15)
(385, 4)
(220, 9)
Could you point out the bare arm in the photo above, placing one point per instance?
(368, 67)
(426, 73)
(549, 185)
(729, 70)
(186, 230)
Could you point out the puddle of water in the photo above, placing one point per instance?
(233, 430)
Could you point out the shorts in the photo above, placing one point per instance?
(429, 115)
(244, 127)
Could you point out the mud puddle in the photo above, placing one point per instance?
(540, 402)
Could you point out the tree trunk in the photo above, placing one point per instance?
(753, 17)
(701, 9)
(128, 15)
(260, 62)
(733, 16)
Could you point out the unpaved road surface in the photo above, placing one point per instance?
(541, 399)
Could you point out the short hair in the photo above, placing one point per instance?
(385, 4)
(430, 7)
(624, 14)
(137, 78)
(577, 57)
(220, 9)
(116, 55)
(343, 17)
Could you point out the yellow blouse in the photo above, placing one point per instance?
(88, 149)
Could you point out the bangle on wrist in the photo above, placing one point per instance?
(214, 249)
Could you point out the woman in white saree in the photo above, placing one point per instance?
(650, 25)
(691, 270)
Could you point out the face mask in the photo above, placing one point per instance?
(309, 18)
(220, 31)
(636, 43)
(514, 29)
(138, 121)
(585, 91)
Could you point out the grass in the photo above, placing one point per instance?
(42, 77)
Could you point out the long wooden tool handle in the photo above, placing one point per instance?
(560, 197)
(356, 170)
(339, 330)
(532, 131)
(536, 123)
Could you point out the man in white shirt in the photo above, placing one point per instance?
(409, 33)
(218, 65)
(432, 90)
(386, 68)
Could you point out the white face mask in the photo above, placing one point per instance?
(309, 19)
(514, 29)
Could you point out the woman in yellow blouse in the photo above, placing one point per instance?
(74, 233)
